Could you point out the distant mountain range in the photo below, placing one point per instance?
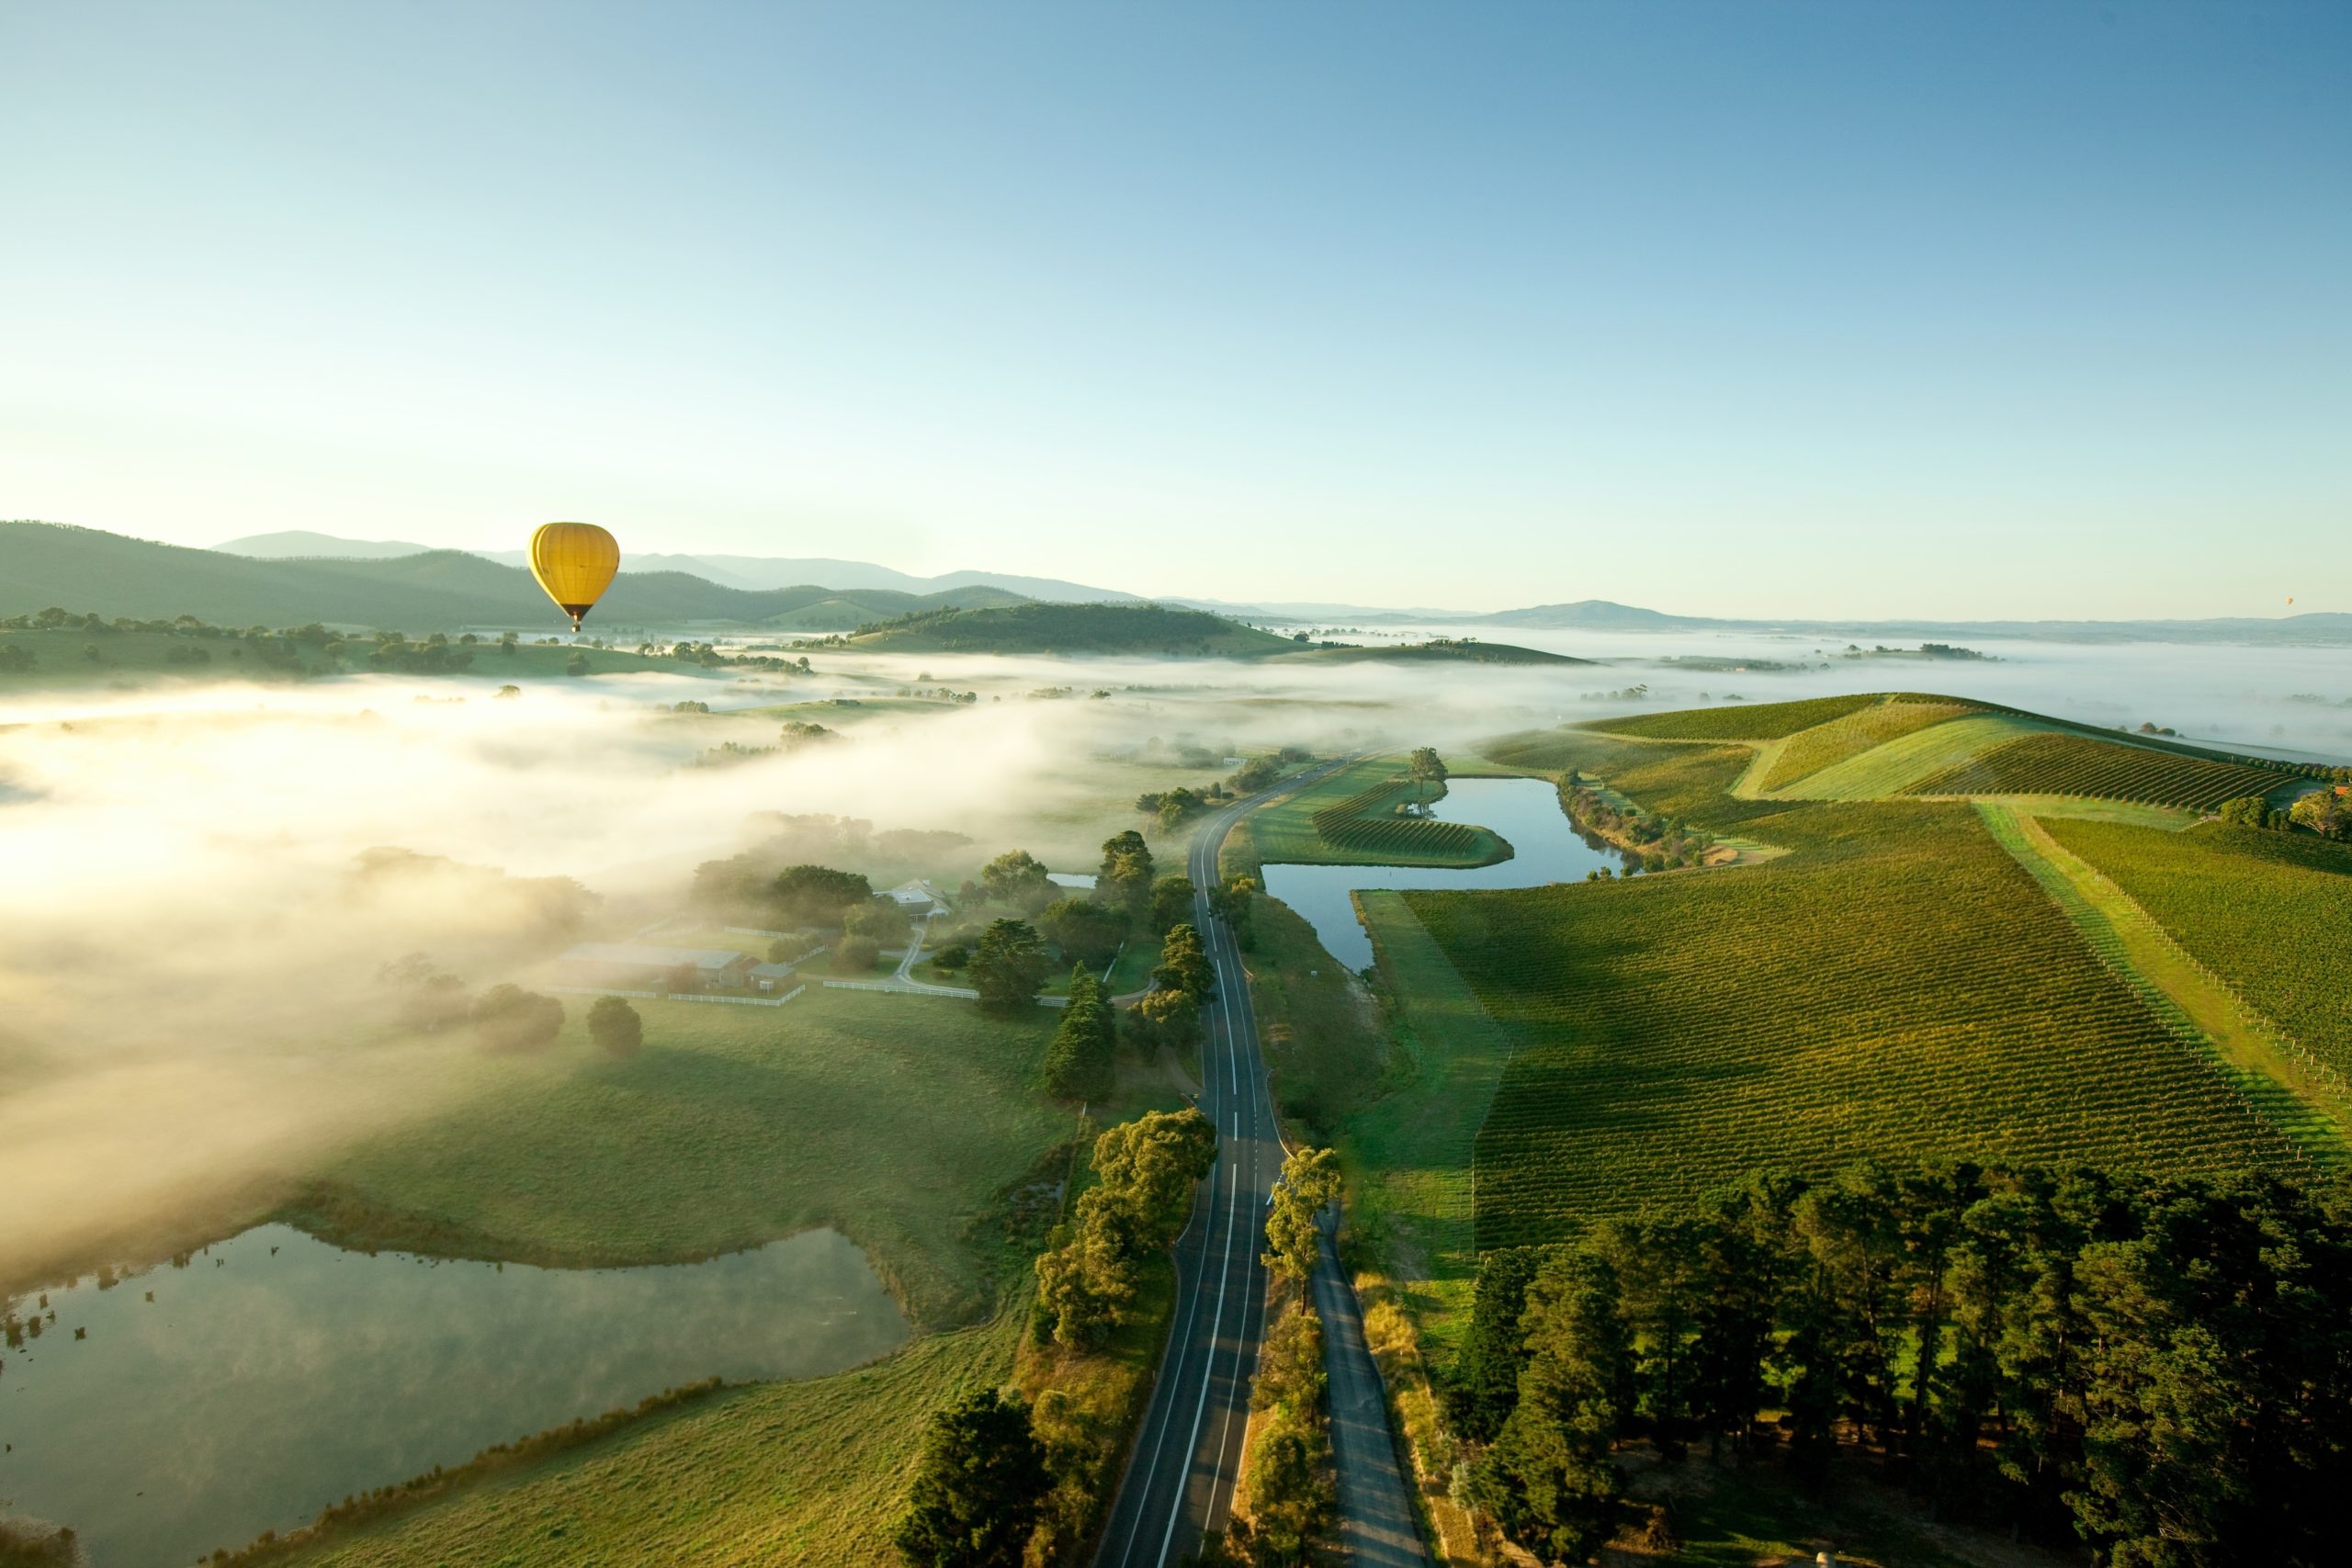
(750, 572)
(43, 564)
(284, 578)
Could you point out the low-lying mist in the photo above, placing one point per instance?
(205, 883)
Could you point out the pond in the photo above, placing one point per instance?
(1524, 811)
(274, 1374)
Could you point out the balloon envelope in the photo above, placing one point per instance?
(574, 562)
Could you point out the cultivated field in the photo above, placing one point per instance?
(1898, 985)
(2099, 770)
(1348, 818)
(2269, 913)
(1809, 750)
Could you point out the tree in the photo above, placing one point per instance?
(854, 956)
(1293, 1233)
(1171, 903)
(809, 895)
(1079, 1063)
(1009, 965)
(1018, 879)
(513, 1018)
(1548, 1478)
(1253, 775)
(1486, 1385)
(1145, 1171)
(614, 1024)
(1426, 768)
(1184, 966)
(980, 1482)
(1086, 931)
(1233, 904)
(577, 664)
(1167, 1017)
(1124, 879)
(2247, 811)
(2324, 812)
(1290, 1504)
(879, 921)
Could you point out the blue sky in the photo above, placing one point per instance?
(1877, 309)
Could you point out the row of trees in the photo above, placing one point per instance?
(1662, 843)
(1080, 1060)
(988, 1473)
(2322, 811)
(504, 1017)
(1293, 1497)
(1145, 1171)
(2159, 1368)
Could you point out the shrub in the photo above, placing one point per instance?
(614, 1024)
(513, 1018)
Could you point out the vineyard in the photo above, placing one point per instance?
(2100, 769)
(1808, 752)
(2269, 913)
(1367, 822)
(1760, 721)
(1900, 987)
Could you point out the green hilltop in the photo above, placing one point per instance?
(1034, 627)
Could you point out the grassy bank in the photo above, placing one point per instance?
(812, 1473)
(897, 1119)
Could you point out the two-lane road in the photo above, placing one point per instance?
(1179, 1481)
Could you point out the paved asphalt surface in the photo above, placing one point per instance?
(1179, 1481)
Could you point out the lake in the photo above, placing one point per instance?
(274, 1374)
(1524, 811)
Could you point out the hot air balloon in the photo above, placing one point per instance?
(574, 562)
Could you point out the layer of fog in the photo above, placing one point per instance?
(2289, 700)
(190, 1007)
(190, 1010)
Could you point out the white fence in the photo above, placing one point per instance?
(684, 996)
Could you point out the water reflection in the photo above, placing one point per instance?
(274, 1374)
(1524, 811)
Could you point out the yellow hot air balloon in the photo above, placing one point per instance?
(574, 562)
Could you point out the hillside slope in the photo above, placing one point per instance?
(1141, 629)
(1880, 745)
(43, 564)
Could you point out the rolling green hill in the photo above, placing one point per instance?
(1877, 746)
(44, 564)
(1141, 629)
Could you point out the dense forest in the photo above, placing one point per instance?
(2160, 1369)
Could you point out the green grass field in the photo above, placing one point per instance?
(2269, 913)
(897, 1119)
(1898, 986)
(810, 1474)
(1414, 1149)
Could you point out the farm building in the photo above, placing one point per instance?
(918, 899)
(767, 977)
(628, 965)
